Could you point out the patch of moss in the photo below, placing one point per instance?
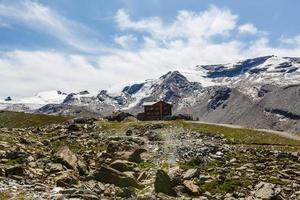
(187, 166)
(99, 148)
(20, 196)
(277, 181)
(146, 165)
(4, 196)
(74, 146)
(121, 127)
(16, 161)
(214, 187)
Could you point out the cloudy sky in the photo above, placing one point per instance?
(74, 45)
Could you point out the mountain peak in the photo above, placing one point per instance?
(173, 76)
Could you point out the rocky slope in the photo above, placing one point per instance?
(84, 159)
(261, 92)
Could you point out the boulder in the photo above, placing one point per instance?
(122, 165)
(55, 167)
(82, 168)
(118, 116)
(16, 153)
(84, 120)
(190, 173)
(152, 136)
(135, 156)
(107, 174)
(25, 141)
(266, 191)
(73, 128)
(191, 187)
(66, 157)
(112, 147)
(17, 170)
(66, 179)
(2, 171)
(163, 183)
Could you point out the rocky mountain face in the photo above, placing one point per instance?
(261, 92)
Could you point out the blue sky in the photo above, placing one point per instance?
(73, 45)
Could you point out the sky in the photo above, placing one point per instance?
(75, 45)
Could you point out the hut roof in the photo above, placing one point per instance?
(151, 103)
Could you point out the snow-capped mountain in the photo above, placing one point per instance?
(32, 103)
(248, 92)
(248, 75)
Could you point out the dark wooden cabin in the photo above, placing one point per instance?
(158, 110)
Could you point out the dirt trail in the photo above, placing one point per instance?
(280, 133)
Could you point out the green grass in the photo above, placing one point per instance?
(24, 120)
(15, 161)
(146, 165)
(240, 135)
(121, 127)
(7, 196)
(4, 196)
(76, 146)
(228, 186)
(243, 136)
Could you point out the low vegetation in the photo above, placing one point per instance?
(235, 135)
(202, 159)
(241, 135)
(24, 120)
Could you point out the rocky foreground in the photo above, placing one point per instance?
(84, 159)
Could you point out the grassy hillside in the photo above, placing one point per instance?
(235, 135)
(242, 135)
(23, 120)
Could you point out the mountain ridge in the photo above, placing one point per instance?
(260, 92)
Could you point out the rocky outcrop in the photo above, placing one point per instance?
(100, 162)
(66, 157)
(107, 174)
(163, 183)
(118, 116)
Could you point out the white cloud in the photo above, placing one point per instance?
(294, 41)
(25, 72)
(248, 29)
(188, 25)
(125, 41)
(262, 47)
(44, 19)
(185, 42)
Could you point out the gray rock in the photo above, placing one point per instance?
(163, 183)
(191, 187)
(107, 174)
(74, 127)
(135, 156)
(66, 157)
(74, 193)
(17, 170)
(190, 173)
(122, 165)
(82, 168)
(266, 191)
(55, 167)
(66, 179)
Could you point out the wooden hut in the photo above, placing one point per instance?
(157, 110)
